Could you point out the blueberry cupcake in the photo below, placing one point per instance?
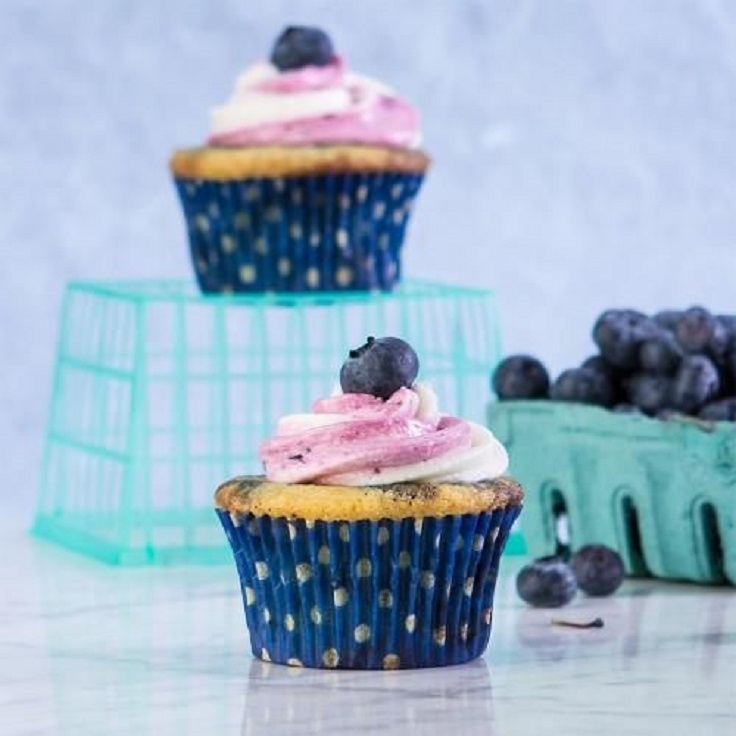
(307, 180)
(374, 538)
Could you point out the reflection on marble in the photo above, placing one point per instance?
(285, 700)
(87, 649)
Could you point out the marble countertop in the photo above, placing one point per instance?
(89, 649)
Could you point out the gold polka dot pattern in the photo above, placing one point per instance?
(323, 556)
(391, 662)
(303, 572)
(247, 274)
(339, 594)
(331, 658)
(251, 234)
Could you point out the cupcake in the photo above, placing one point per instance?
(307, 180)
(374, 538)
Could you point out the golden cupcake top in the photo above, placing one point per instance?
(260, 497)
(272, 161)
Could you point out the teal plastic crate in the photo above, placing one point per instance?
(161, 393)
(663, 493)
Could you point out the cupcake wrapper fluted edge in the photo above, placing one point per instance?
(390, 594)
(325, 232)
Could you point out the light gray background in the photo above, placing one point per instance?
(584, 156)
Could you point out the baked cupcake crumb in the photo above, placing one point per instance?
(230, 164)
(255, 495)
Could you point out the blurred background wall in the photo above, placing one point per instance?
(585, 156)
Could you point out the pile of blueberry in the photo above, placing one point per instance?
(672, 363)
(551, 582)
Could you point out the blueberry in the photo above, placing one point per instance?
(728, 322)
(300, 46)
(618, 333)
(584, 386)
(720, 342)
(667, 319)
(695, 330)
(520, 377)
(649, 393)
(548, 582)
(695, 383)
(598, 569)
(380, 367)
(660, 354)
(612, 376)
(719, 411)
(729, 366)
(599, 364)
(727, 329)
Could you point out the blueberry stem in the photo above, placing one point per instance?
(596, 623)
(359, 351)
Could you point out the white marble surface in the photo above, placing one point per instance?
(87, 649)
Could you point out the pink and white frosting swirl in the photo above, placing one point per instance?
(313, 105)
(360, 440)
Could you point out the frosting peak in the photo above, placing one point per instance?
(300, 80)
(358, 439)
(312, 105)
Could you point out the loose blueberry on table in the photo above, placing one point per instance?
(552, 582)
(548, 582)
(599, 570)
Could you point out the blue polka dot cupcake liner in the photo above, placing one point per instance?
(327, 232)
(390, 594)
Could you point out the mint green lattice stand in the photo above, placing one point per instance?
(161, 393)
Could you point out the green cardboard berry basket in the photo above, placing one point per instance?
(662, 493)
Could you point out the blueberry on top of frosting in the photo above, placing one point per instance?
(300, 46)
(380, 367)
